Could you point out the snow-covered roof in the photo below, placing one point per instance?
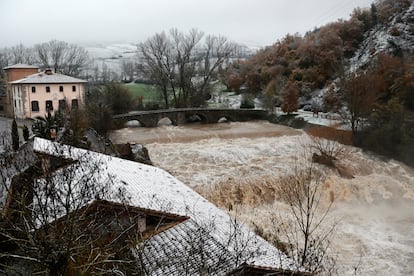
(21, 66)
(153, 188)
(43, 78)
(13, 163)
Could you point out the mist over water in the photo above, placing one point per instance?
(375, 209)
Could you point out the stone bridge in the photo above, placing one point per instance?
(179, 116)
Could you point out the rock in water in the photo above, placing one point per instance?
(134, 152)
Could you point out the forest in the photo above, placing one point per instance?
(378, 96)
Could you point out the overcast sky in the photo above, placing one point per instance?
(250, 22)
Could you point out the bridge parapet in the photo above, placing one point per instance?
(181, 116)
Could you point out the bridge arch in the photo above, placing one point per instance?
(195, 117)
(165, 121)
(133, 123)
(177, 116)
(224, 118)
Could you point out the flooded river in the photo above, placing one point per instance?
(375, 208)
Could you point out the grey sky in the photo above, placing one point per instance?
(251, 22)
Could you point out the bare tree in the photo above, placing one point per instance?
(158, 64)
(45, 226)
(184, 60)
(16, 54)
(128, 70)
(61, 57)
(304, 231)
(196, 251)
(327, 144)
(217, 50)
(22, 54)
(360, 92)
(183, 65)
(5, 59)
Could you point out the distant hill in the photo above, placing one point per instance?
(111, 56)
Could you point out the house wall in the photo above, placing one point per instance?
(12, 74)
(41, 96)
(17, 101)
(18, 73)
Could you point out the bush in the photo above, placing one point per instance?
(26, 133)
(395, 32)
(15, 136)
(247, 101)
(288, 120)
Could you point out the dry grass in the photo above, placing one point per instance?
(274, 198)
(231, 193)
(246, 192)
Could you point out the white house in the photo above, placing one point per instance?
(42, 92)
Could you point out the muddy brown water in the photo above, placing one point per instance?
(375, 208)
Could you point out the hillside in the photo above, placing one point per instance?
(322, 55)
(395, 36)
(361, 68)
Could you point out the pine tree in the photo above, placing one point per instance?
(15, 136)
(374, 14)
(26, 133)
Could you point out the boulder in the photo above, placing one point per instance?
(134, 152)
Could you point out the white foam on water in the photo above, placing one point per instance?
(375, 208)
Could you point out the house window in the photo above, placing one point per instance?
(61, 88)
(35, 106)
(48, 89)
(62, 104)
(73, 88)
(49, 106)
(75, 104)
(33, 89)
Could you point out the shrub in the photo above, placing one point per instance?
(328, 148)
(26, 133)
(15, 136)
(394, 31)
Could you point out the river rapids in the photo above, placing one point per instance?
(375, 208)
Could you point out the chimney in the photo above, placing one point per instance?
(48, 71)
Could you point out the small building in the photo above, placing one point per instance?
(12, 73)
(30, 93)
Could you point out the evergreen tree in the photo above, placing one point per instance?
(15, 136)
(374, 14)
(26, 133)
(290, 98)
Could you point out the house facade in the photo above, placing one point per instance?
(13, 73)
(38, 93)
